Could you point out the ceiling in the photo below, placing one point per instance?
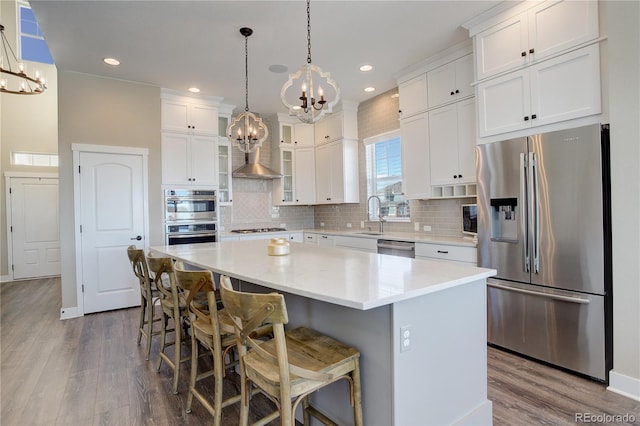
(179, 44)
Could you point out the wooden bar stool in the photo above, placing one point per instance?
(290, 366)
(149, 296)
(213, 330)
(174, 307)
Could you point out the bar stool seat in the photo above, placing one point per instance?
(292, 365)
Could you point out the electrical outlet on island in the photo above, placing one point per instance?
(416, 226)
(348, 225)
(427, 228)
(362, 224)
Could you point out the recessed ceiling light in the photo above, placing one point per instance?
(369, 89)
(366, 68)
(278, 69)
(111, 61)
(194, 90)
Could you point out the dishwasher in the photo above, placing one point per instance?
(397, 248)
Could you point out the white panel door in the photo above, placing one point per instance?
(566, 87)
(35, 227)
(112, 218)
(502, 47)
(443, 144)
(305, 175)
(414, 136)
(504, 104)
(204, 168)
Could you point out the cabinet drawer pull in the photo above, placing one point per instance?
(452, 93)
(443, 251)
(524, 54)
(526, 118)
(457, 91)
(531, 50)
(534, 116)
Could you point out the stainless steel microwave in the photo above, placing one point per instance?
(189, 204)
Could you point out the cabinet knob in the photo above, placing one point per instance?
(526, 118)
(459, 176)
(524, 54)
(452, 93)
(399, 111)
(454, 176)
(534, 116)
(531, 50)
(457, 91)
(296, 142)
(282, 141)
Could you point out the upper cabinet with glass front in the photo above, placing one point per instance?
(225, 155)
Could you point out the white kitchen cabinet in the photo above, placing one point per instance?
(225, 182)
(191, 116)
(369, 245)
(319, 239)
(414, 136)
(303, 135)
(189, 159)
(284, 164)
(310, 238)
(338, 125)
(450, 82)
(292, 133)
(413, 96)
(523, 37)
(304, 175)
(337, 172)
(559, 89)
(451, 253)
(452, 143)
(296, 237)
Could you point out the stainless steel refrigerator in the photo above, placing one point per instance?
(544, 225)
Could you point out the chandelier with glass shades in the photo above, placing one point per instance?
(14, 78)
(246, 130)
(310, 103)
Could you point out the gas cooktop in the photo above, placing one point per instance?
(254, 230)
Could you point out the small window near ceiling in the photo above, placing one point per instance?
(34, 159)
(33, 46)
(384, 177)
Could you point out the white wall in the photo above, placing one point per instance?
(624, 108)
(27, 123)
(101, 111)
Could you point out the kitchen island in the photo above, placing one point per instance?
(420, 325)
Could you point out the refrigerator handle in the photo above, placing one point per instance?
(523, 211)
(560, 297)
(536, 213)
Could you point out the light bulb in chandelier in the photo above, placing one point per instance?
(249, 129)
(15, 78)
(311, 79)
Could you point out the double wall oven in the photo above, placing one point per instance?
(191, 216)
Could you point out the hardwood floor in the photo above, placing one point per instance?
(90, 371)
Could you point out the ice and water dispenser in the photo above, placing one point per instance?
(504, 219)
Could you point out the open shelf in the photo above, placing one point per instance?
(454, 191)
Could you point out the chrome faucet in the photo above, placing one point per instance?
(380, 217)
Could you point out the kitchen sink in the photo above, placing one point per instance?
(370, 233)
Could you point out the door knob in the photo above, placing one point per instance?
(139, 237)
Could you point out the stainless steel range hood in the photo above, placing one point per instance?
(252, 168)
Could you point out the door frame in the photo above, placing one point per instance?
(7, 186)
(77, 149)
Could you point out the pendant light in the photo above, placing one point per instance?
(310, 103)
(247, 131)
(15, 80)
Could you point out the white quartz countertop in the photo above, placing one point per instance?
(416, 237)
(341, 276)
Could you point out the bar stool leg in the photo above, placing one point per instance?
(194, 372)
(177, 355)
(149, 313)
(163, 338)
(357, 395)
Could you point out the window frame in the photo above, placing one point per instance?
(371, 179)
(19, 34)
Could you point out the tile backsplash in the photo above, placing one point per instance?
(253, 205)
